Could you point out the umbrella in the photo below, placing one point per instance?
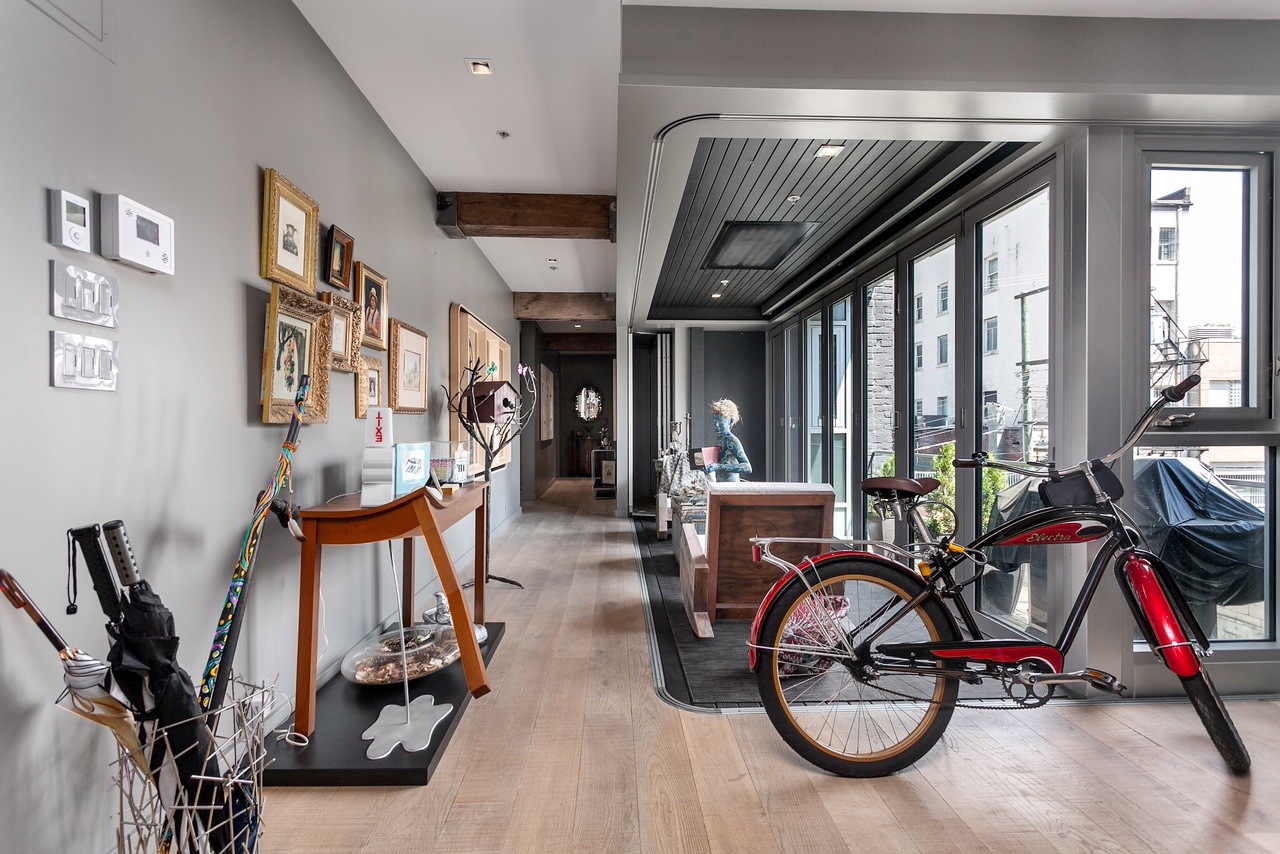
(85, 677)
(144, 660)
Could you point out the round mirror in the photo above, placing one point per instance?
(588, 403)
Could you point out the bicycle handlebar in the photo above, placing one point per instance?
(1166, 396)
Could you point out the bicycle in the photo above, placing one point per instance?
(859, 652)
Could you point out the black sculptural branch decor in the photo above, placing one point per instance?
(493, 412)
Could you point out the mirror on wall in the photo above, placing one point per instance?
(588, 403)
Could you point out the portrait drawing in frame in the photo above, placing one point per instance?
(408, 368)
(290, 234)
(346, 332)
(369, 381)
(371, 293)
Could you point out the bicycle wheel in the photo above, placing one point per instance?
(1213, 714)
(817, 696)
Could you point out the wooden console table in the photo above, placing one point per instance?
(344, 522)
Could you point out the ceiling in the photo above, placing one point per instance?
(579, 122)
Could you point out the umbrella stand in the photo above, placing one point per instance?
(412, 724)
(85, 678)
(217, 671)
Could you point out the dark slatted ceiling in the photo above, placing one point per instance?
(750, 179)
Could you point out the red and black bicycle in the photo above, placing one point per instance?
(859, 653)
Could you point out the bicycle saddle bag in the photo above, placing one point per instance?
(1073, 489)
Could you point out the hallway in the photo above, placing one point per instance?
(574, 751)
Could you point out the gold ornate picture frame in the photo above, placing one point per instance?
(408, 368)
(290, 234)
(371, 293)
(346, 332)
(298, 343)
(370, 376)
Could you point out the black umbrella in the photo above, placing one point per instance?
(144, 660)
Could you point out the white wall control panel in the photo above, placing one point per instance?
(70, 221)
(79, 294)
(82, 361)
(136, 234)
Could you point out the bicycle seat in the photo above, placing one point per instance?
(896, 488)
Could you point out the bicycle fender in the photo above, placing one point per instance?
(1162, 628)
(792, 575)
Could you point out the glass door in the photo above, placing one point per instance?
(933, 347)
(1012, 320)
(844, 472)
(815, 422)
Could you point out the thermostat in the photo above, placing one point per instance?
(136, 234)
(70, 221)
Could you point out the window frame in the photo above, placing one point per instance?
(944, 349)
(944, 298)
(1260, 339)
(990, 327)
(987, 280)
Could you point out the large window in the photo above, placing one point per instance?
(1204, 511)
(878, 419)
(1208, 257)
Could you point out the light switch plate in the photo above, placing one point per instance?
(80, 294)
(82, 361)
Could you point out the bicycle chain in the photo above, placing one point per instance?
(1013, 707)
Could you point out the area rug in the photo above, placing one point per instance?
(710, 674)
(704, 673)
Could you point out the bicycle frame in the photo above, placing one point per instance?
(1157, 605)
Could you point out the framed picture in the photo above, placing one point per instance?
(290, 234)
(408, 373)
(369, 380)
(298, 343)
(371, 293)
(345, 351)
(341, 247)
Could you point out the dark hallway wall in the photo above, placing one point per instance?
(575, 372)
(537, 452)
(732, 365)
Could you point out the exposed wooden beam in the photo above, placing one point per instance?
(563, 306)
(580, 342)
(461, 214)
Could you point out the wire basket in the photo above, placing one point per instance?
(197, 786)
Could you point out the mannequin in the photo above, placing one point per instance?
(733, 459)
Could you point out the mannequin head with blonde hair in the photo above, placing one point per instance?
(727, 408)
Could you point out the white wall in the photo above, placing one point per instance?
(200, 98)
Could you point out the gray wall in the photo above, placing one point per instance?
(201, 97)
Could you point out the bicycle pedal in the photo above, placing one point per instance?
(1103, 680)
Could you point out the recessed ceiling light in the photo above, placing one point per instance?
(716, 296)
(829, 150)
(724, 281)
(502, 134)
(481, 67)
(791, 200)
(577, 326)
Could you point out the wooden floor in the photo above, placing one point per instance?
(574, 751)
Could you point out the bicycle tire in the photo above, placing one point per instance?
(1213, 714)
(842, 724)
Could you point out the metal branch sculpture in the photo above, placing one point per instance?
(494, 435)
